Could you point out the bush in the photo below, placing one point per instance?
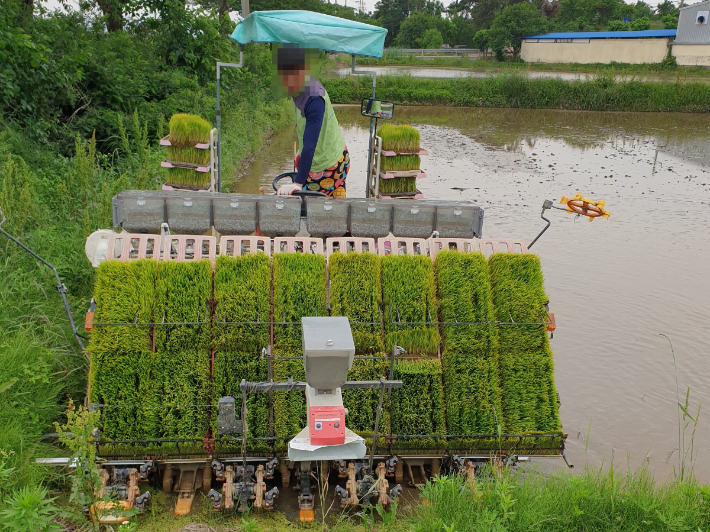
(618, 25)
(641, 24)
(431, 40)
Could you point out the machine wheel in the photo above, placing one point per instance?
(399, 472)
(168, 478)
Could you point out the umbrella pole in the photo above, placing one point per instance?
(370, 146)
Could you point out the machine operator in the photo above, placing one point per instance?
(323, 162)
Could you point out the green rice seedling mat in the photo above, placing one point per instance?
(470, 357)
(180, 372)
(529, 397)
(120, 355)
(229, 369)
(409, 293)
(356, 292)
(242, 289)
(399, 139)
(400, 162)
(362, 404)
(299, 290)
(188, 177)
(418, 407)
(398, 185)
(187, 130)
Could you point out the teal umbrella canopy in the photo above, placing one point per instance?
(311, 30)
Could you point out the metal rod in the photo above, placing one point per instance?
(257, 387)
(547, 204)
(377, 424)
(372, 123)
(219, 110)
(60, 286)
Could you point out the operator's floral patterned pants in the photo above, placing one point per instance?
(330, 181)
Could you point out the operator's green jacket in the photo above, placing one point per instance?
(330, 141)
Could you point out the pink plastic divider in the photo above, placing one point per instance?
(177, 187)
(393, 153)
(129, 246)
(345, 244)
(489, 246)
(165, 141)
(295, 244)
(401, 246)
(464, 245)
(190, 248)
(403, 173)
(235, 246)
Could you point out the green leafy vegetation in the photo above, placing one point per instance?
(527, 372)
(470, 357)
(409, 294)
(362, 404)
(604, 93)
(356, 292)
(418, 407)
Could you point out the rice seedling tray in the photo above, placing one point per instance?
(390, 153)
(391, 174)
(185, 166)
(165, 141)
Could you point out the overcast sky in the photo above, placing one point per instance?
(369, 4)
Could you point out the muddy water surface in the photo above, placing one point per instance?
(616, 286)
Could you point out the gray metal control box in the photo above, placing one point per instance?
(328, 351)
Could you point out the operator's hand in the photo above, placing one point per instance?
(287, 190)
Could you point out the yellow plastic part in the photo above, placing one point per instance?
(585, 207)
(110, 512)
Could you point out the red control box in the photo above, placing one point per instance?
(327, 425)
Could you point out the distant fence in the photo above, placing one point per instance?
(451, 51)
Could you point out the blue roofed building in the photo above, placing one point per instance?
(634, 47)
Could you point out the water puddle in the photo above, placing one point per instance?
(615, 285)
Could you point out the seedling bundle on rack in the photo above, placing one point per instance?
(188, 150)
(399, 160)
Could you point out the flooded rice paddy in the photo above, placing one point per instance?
(616, 286)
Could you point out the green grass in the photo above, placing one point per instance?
(593, 500)
(409, 293)
(188, 177)
(518, 91)
(356, 292)
(188, 129)
(470, 357)
(400, 139)
(189, 155)
(362, 404)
